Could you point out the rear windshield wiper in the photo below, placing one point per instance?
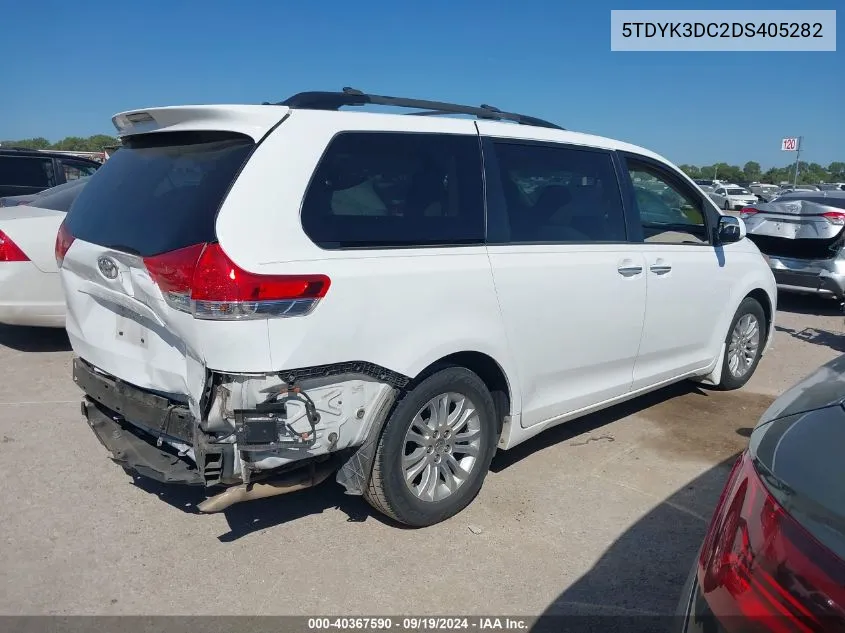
(124, 249)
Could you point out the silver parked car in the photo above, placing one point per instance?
(801, 235)
(765, 192)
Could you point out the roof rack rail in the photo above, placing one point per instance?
(353, 97)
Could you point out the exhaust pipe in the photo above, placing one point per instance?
(299, 480)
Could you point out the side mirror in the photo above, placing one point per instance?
(731, 229)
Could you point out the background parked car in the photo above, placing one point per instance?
(732, 197)
(764, 192)
(801, 234)
(26, 171)
(832, 186)
(789, 188)
(32, 198)
(30, 291)
(774, 553)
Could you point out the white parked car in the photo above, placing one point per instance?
(287, 291)
(732, 198)
(30, 290)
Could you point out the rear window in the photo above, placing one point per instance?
(386, 189)
(160, 192)
(26, 171)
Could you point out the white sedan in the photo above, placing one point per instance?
(731, 197)
(30, 291)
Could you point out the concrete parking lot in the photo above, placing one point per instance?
(602, 515)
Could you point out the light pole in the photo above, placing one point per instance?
(797, 156)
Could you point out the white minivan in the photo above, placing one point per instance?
(259, 296)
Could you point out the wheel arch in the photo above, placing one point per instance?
(765, 301)
(491, 372)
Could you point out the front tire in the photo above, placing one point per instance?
(435, 449)
(743, 345)
(727, 205)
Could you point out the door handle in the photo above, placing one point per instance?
(660, 269)
(630, 271)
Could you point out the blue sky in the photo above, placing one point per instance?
(77, 63)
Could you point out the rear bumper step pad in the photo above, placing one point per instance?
(133, 452)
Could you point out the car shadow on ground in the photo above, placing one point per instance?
(34, 339)
(261, 514)
(815, 336)
(637, 583)
(592, 422)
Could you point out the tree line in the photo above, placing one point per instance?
(808, 173)
(95, 143)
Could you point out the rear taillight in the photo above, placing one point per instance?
(747, 212)
(761, 571)
(835, 217)
(9, 251)
(203, 281)
(63, 241)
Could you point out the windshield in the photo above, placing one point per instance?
(738, 192)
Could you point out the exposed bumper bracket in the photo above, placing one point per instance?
(131, 451)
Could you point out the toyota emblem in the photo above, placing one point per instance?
(107, 267)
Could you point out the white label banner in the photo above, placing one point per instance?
(789, 144)
(723, 30)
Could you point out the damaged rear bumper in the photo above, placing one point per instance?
(242, 440)
(823, 277)
(134, 452)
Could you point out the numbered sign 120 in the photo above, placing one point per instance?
(789, 144)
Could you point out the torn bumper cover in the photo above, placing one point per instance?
(824, 277)
(245, 435)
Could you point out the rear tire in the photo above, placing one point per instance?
(435, 449)
(743, 345)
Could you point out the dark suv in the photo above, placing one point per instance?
(26, 171)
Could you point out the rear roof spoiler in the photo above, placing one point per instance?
(251, 120)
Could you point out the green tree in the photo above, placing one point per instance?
(72, 144)
(836, 171)
(731, 173)
(691, 170)
(30, 143)
(97, 142)
(751, 170)
(814, 174)
(94, 143)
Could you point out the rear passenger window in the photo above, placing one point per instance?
(559, 194)
(384, 189)
(25, 171)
